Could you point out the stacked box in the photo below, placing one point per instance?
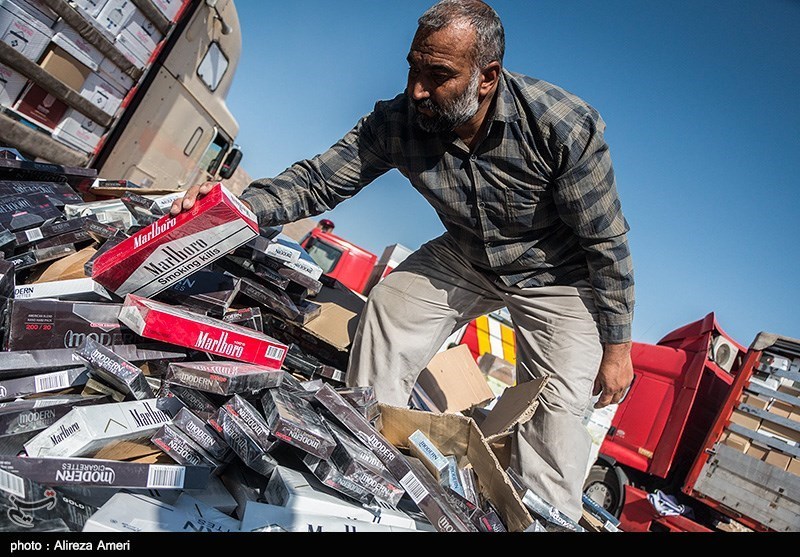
(173, 398)
(181, 448)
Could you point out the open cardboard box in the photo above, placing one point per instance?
(460, 436)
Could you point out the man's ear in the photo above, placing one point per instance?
(489, 76)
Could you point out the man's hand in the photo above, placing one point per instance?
(187, 201)
(615, 374)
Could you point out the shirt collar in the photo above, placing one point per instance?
(505, 109)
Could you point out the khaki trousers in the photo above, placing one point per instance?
(410, 314)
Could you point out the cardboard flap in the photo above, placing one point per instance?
(516, 405)
(338, 317)
(454, 382)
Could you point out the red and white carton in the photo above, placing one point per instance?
(174, 247)
(175, 325)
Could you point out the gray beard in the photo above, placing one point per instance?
(449, 117)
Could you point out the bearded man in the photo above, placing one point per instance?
(521, 177)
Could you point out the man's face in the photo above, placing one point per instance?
(442, 79)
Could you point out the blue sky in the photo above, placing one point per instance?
(701, 101)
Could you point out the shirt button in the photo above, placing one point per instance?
(473, 158)
(481, 204)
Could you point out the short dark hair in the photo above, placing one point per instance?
(490, 44)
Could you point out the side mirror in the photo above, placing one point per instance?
(231, 163)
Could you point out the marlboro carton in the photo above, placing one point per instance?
(223, 378)
(105, 473)
(87, 429)
(171, 248)
(109, 367)
(166, 323)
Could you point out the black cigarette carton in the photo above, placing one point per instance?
(250, 416)
(77, 239)
(7, 279)
(430, 501)
(109, 367)
(294, 421)
(144, 210)
(554, 520)
(27, 211)
(304, 363)
(58, 193)
(22, 363)
(16, 169)
(275, 300)
(50, 324)
(243, 442)
(28, 506)
(247, 317)
(327, 473)
(53, 381)
(171, 398)
(182, 448)
(98, 472)
(201, 432)
(54, 229)
(27, 415)
(205, 290)
(103, 231)
(350, 453)
(223, 377)
(263, 273)
(308, 311)
(38, 256)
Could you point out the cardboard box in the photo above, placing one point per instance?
(170, 8)
(794, 466)
(756, 451)
(22, 32)
(91, 7)
(460, 436)
(39, 11)
(101, 93)
(746, 420)
(172, 248)
(778, 459)
(40, 105)
(166, 323)
(738, 442)
(454, 382)
(65, 67)
(788, 434)
(78, 131)
(71, 40)
(115, 14)
(11, 85)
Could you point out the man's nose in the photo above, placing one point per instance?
(417, 90)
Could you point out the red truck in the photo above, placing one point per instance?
(708, 437)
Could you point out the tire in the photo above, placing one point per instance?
(605, 485)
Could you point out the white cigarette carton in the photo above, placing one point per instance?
(263, 515)
(86, 429)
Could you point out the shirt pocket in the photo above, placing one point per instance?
(528, 205)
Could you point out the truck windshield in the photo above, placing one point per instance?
(324, 255)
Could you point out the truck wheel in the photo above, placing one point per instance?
(605, 485)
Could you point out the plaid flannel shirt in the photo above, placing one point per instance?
(534, 204)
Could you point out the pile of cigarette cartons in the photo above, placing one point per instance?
(185, 373)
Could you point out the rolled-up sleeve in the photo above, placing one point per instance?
(587, 200)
